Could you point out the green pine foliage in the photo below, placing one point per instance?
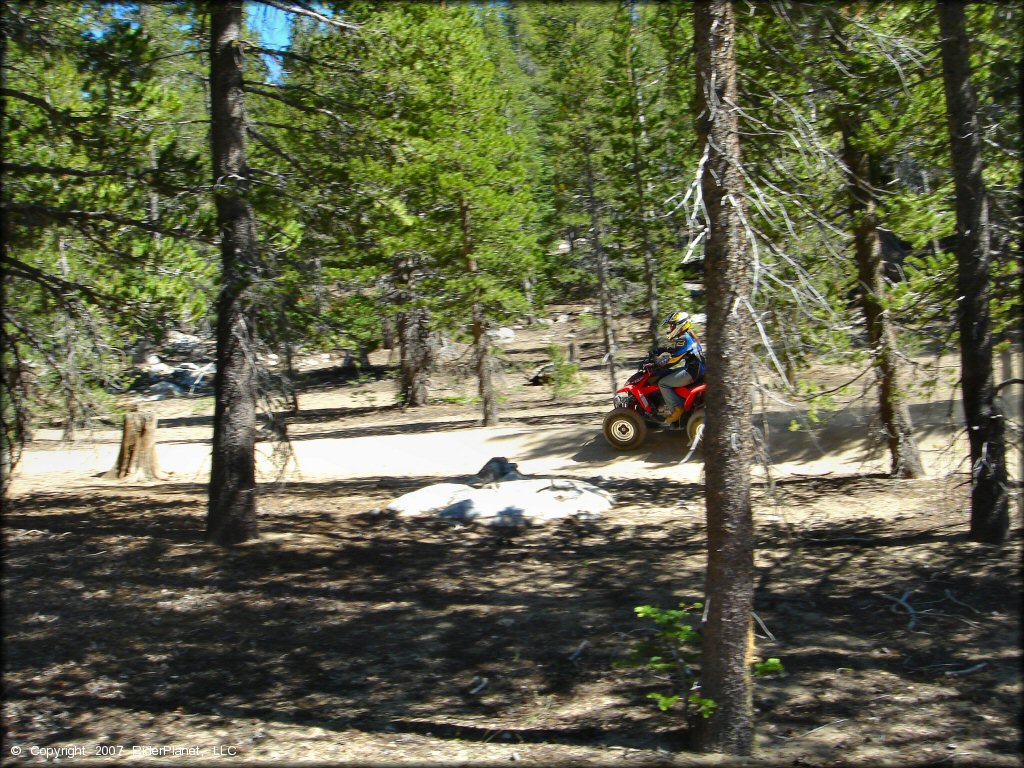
(105, 241)
(466, 159)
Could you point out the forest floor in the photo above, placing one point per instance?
(346, 635)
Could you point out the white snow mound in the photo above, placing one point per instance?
(509, 502)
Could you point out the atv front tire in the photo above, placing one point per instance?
(624, 429)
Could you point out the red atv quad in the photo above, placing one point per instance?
(637, 405)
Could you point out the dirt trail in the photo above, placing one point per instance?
(565, 441)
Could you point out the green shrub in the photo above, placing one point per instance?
(673, 652)
(565, 376)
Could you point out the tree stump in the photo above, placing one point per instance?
(138, 449)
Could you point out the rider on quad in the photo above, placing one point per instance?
(683, 362)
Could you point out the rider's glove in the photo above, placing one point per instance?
(663, 358)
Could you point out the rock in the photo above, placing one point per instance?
(502, 334)
(191, 377)
(163, 390)
(541, 375)
(153, 360)
(182, 342)
(140, 352)
(498, 468)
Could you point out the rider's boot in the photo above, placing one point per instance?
(675, 415)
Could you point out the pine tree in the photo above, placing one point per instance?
(631, 124)
(729, 584)
(452, 194)
(569, 44)
(989, 502)
(91, 139)
(231, 517)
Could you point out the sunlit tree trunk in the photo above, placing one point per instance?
(985, 423)
(69, 377)
(413, 325)
(137, 457)
(603, 286)
(639, 172)
(728, 445)
(481, 349)
(231, 518)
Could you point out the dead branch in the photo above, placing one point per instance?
(579, 650)
(910, 610)
(967, 671)
(762, 625)
(301, 10)
(814, 730)
(952, 599)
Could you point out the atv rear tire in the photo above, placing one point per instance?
(624, 429)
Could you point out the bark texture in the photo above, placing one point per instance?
(603, 279)
(728, 444)
(481, 347)
(231, 518)
(985, 424)
(137, 457)
(862, 184)
(416, 357)
(650, 256)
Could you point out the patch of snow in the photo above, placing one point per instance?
(508, 502)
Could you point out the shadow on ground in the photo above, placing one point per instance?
(354, 620)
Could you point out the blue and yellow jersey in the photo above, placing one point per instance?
(689, 354)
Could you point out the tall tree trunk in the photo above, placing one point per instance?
(231, 518)
(481, 350)
(291, 392)
(861, 186)
(636, 118)
(604, 292)
(728, 634)
(414, 336)
(416, 359)
(387, 332)
(69, 378)
(985, 426)
(153, 215)
(531, 316)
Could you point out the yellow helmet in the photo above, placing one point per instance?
(677, 323)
